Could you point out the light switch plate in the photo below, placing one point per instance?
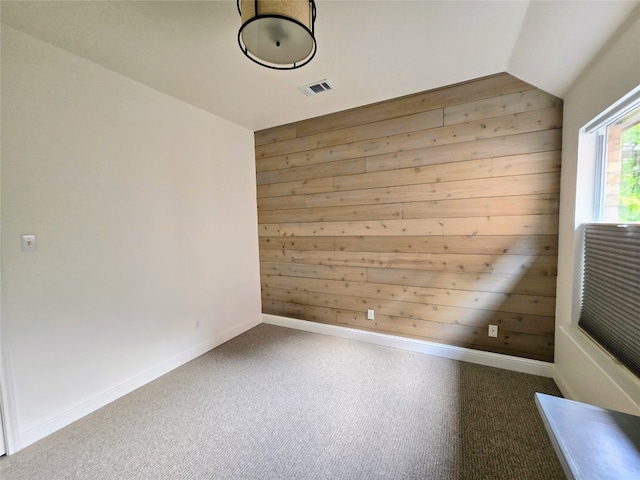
(28, 243)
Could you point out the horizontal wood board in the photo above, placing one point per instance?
(438, 210)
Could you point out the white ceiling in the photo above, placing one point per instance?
(369, 50)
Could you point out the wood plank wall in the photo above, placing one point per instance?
(437, 210)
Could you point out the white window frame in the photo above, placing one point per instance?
(597, 131)
(598, 128)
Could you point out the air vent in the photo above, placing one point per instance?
(316, 87)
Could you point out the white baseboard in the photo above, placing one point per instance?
(32, 435)
(489, 359)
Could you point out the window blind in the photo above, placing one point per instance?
(611, 290)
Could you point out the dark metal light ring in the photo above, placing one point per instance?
(295, 65)
(257, 17)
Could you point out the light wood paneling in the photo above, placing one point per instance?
(469, 263)
(526, 143)
(539, 204)
(439, 210)
(499, 225)
(496, 85)
(527, 122)
(416, 175)
(533, 245)
(498, 106)
(329, 272)
(526, 164)
(296, 187)
(517, 282)
(409, 123)
(298, 243)
(394, 325)
(475, 188)
(532, 142)
(387, 211)
(303, 312)
(277, 134)
(277, 203)
(344, 167)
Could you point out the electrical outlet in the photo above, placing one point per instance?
(371, 314)
(493, 330)
(197, 323)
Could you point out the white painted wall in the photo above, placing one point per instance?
(145, 214)
(563, 36)
(584, 372)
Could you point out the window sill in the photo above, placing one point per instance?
(587, 373)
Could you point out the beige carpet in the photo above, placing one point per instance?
(276, 403)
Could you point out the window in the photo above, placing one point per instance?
(618, 176)
(610, 311)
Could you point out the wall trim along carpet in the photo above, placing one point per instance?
(489, 359)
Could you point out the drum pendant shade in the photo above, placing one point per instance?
(277, 34)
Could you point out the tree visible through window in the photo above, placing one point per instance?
(622, 187)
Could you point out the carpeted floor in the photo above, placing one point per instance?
(276, 403)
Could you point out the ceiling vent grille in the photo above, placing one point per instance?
(316, 87)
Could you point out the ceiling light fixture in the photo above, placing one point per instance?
(278, 34)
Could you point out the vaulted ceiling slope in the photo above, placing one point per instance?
(369, 50)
